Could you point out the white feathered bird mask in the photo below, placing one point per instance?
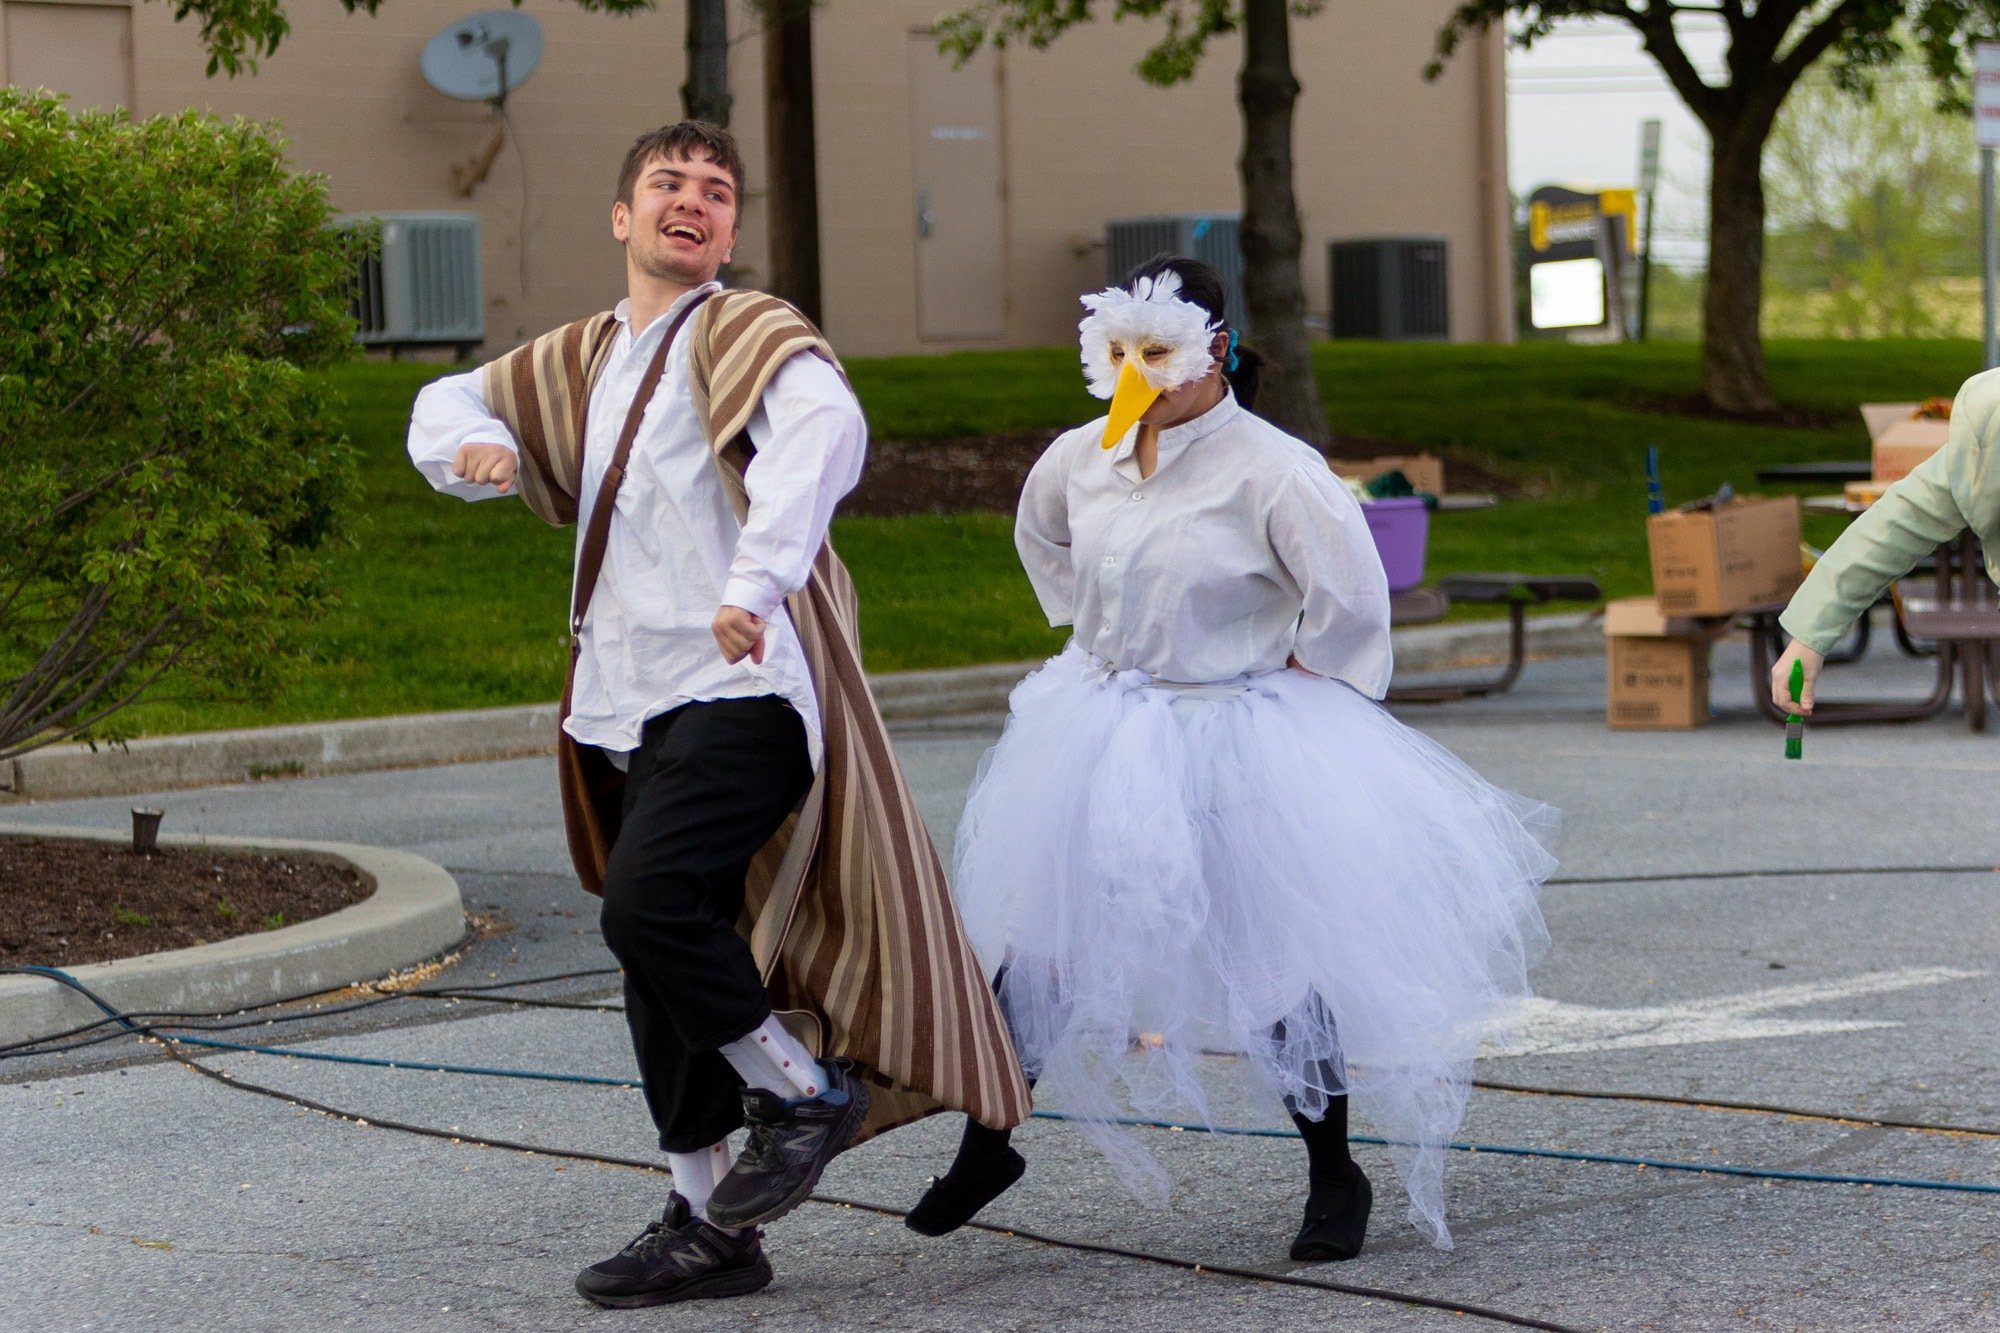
(1138, 344)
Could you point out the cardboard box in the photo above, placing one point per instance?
(1656, 668)
(1714, 562)
(1900, 439)
(1425, 471)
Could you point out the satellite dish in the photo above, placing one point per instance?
(483, 57)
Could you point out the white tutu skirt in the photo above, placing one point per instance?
(1273, 867)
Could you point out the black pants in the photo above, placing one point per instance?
(708, 786)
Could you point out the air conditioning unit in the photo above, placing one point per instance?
(1213, 238)
(1390, 287)
(422, 287)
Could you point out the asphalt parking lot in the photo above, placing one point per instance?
(1816, 937)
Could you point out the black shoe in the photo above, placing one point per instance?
(790, 1144)
(959, 1193)
(1336, 1220)
(678, 1258)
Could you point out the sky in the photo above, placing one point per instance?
(1574, 105)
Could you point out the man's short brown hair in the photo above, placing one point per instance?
(688, 139)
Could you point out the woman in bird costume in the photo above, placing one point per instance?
(1200, 831)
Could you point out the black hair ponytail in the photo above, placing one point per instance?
(1202, 285)
(1243, 380)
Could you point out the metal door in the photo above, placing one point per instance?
(955, 152)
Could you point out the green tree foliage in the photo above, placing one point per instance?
(1872, 200)
(1771, 44)
(237, 33)
(172, 477)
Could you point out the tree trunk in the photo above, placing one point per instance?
(1288, 395)
(790, 142)
(1733, 373)
(705, 95)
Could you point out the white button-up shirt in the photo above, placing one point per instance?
(675, 552)
(1241, 550)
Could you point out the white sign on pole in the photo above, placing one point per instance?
(1986, 92)
(1649, 153)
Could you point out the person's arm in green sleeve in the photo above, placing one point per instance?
(1930, 506)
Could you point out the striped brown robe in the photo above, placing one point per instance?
(848, 913)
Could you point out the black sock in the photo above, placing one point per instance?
(981, 1147)
(1327, 1160)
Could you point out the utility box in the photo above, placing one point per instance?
(1390, 287)
(1216, 239)
(422, 287)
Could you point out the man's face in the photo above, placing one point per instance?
(681, 222)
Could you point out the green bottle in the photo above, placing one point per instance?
(1795, 725)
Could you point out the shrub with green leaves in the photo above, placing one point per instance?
(173, 480)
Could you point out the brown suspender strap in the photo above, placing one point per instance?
(590, 560)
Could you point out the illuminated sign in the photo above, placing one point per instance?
(1578, 243)
(1566, 294)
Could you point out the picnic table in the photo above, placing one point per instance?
(1818, 474)
(1423, 606)
(1955, 606)
(1418, 606)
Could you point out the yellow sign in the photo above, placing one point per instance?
(1553, 223)
(1623, 203)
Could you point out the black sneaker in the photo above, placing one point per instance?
(790, 1144)
(1336, 1220)
(678, 1258)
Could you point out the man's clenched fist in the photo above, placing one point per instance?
(738, 633)
(486, 465)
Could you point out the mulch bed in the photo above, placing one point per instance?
(1790, 415)
(66, 902)
(986, 472)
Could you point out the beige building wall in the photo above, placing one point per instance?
(1080, 139)
(348, 94)
(1378, 152)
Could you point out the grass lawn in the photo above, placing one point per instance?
(450, 605)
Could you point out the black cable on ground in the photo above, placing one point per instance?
(1022, 1233)
(1757, 1108)
(1226, 1270)
(200, 1020)
(1787, 872)
(17, 1051)
(168, 1044)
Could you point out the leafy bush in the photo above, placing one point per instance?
(173, 480)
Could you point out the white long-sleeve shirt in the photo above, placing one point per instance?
(1241, 550)
(675, 552)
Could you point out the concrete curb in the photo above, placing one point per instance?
(312, 749)
(213, 758)
(413, 914)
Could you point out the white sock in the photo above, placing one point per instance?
(773, 1059)
(696, 1173)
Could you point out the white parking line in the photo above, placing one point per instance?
(1542, 1026)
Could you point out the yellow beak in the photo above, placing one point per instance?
(1129, 402)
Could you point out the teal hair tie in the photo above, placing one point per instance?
(1229, 366)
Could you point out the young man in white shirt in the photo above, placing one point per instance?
(691, 678)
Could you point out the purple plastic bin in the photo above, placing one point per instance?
(1401, 528)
